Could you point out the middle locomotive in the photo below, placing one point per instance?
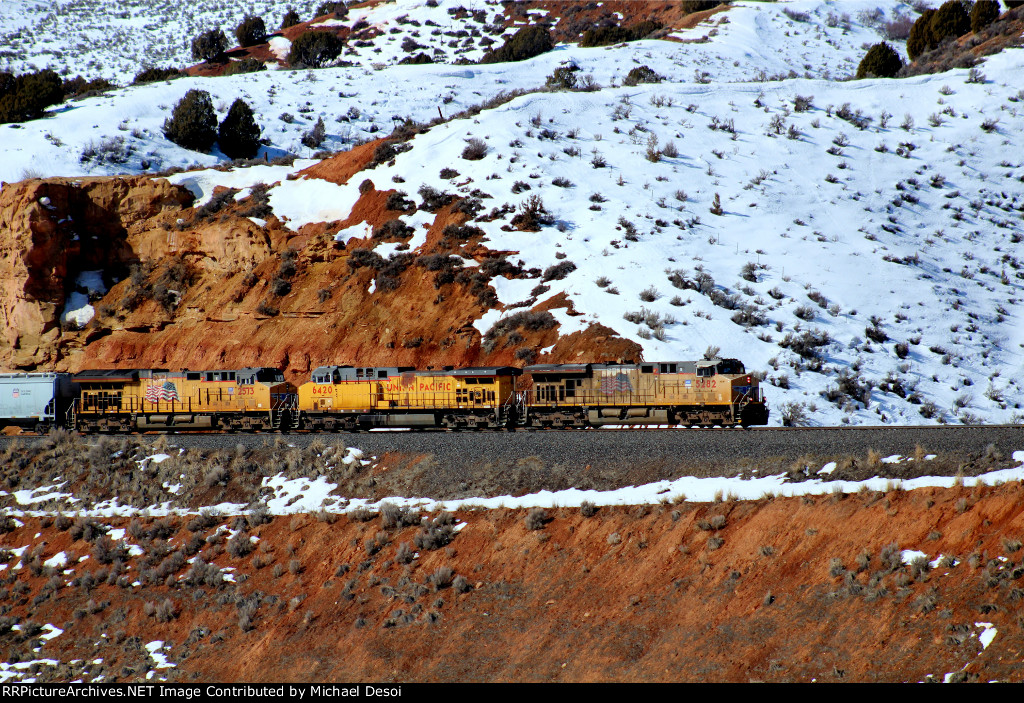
(353, 398)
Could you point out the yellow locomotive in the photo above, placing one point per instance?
(704, 393)
(131, 400)
(352, 398)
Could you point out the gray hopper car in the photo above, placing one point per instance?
(36, 401)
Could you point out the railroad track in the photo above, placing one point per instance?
(621, 450)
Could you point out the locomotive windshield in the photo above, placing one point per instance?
(730, 366)
(269, 376)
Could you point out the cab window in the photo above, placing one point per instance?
(730, 367)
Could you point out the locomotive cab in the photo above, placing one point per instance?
(747, 399)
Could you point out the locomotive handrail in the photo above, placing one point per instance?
(745, 396)
(598, 399)
(281, 401)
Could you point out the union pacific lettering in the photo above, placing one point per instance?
(396, 386)
(425, 386)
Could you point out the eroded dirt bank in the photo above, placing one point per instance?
(793, 589)
(227, 284)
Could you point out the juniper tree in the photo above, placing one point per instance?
(290, 19)
(26, 97)
(921, 37)
(314, 49)
(984, 13)
(251, 31)
(881, 61)
(209, 45)
(193, 123)
(239, 135)
(525, 44)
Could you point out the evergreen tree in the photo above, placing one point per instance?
(193, 123)
(950, 20)
(338, 9)
(290, 19)
(984, 13)
(209, 45)
(525, 44)
(251, 31)
(239, 135)
(6, 83)
(314, 49)
(881, 61)
(921, 37)
(150, 74)
(27, 96)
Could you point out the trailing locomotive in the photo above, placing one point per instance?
(704, 393)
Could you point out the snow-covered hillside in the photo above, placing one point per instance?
(746, 45)
(856, 240)
(114, 40)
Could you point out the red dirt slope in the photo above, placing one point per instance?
(770, 590)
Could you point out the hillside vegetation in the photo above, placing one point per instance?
(852, 241)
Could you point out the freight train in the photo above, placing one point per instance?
(705, 393)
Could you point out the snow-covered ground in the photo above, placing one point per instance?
(883, 219)
(288, 496)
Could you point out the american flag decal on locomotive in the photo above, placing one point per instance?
(616, 384)
(168, 391)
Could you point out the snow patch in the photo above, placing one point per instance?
(57, 561)
(299, 495)
(77, 311)
(280, 47)
(987, 634)
(304, 201)
(907, 556)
